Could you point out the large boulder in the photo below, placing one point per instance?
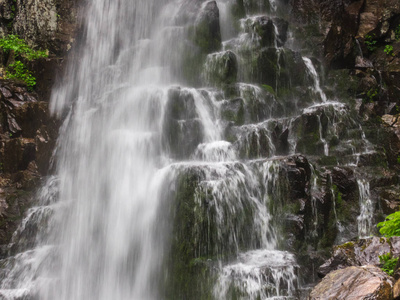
(354, 283)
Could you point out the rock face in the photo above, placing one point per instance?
(354, 283)
(363, 252)
(50, 25)
(27, 139)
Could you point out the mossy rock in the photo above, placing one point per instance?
(233, 111)
(221, 68)
(328, 160)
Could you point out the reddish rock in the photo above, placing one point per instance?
(354, 283)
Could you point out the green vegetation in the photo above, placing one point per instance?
(23, 53)
(371, 94)
(397, 33)
(388, 263)
(18, 71)
(391, 226)
(370, 42)
(268, 88)
(389, 50)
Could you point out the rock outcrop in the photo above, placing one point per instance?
(27, 140)
(354, 283)
(360, 253)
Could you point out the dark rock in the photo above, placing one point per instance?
(345, 180)
(180, 105)
(207, 29)
(264, 28)
(233, 111)
(221, 68)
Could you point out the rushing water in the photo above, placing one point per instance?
(148, 163)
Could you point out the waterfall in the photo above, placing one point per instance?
(175, 157)
(317, 87)
(366, 209)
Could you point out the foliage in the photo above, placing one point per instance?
(388, 263)
(370, 42)
(22, 51)
(371, 94)
(391, 226)
(397, 32)
(20, 48)
(268, 88)
(389, 50)
(17, 70)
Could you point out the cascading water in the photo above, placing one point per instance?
(170, 192)
(366, 210)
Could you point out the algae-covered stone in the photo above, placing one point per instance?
(233, 111)
(207, 30)
(221, 68)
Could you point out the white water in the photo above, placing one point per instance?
(314, 75)
(366, 210)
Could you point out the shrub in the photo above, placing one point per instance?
(370, 42)
(388, 263)
(391, 226)
(389, 50)
(22, 52)
(17, 70)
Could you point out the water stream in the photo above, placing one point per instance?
(165, 190)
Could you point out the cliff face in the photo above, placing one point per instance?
(357, 54)
(27, 132)
(361, 37)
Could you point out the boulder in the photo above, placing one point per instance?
(354, 283)
(221, 68)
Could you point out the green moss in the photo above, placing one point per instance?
(328, 160)
(189, 275)
(346, 246)
(236, 117)
(268, 88)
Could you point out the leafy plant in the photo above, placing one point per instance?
(17, 70)
(370, 42)
(389, 50)
(388, 263)
(391, 226)
(371, 94)
(21, 48)
(22, 52)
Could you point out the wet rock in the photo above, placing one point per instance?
(264, 28)
(345, 180)
(255, 6)
(282, 27)
(363, 252)
(233, 111)
(299, 175)
(207, 29)
(367, 282)
(221, 68)
(180, 105)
